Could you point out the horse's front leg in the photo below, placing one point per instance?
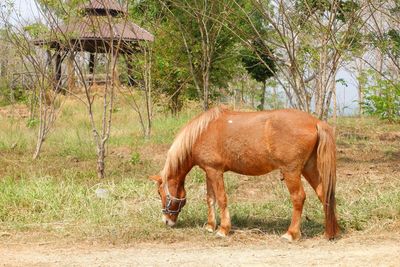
(211, 221)
(216, 179)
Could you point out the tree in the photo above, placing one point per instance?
(260, 65)
(54, 13)
(39, 73)
(170, 72)
(208, 44)
(309, 39)
(378, 86)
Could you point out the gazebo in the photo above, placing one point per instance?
(102, 28)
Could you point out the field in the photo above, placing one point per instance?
(51, 204)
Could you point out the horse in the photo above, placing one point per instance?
(252, 143)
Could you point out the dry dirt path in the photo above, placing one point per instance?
(351, 251)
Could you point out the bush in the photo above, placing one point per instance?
(9, 96)
(383, 99)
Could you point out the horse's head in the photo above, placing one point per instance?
(171, 205)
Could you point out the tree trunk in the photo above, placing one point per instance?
(129, 70)
(148, 90)
(242, 92)
(333, 90)
(300, 91)
(275, 97)
(100, 161)
(205, 90)
(71, 72)
(360, 67)
(113, 70)
(262, 101)
(175, 104)
(42, 123)
(39, 144)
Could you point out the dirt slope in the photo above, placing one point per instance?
(352, 251)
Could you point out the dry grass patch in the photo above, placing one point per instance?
(55, 195)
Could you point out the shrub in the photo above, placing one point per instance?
(383, 99)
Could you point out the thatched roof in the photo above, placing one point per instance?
(104, 7)
(97, 29)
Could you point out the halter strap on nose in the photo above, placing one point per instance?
(170, 200)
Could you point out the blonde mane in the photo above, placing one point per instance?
(181, 148)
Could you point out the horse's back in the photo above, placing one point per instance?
(255, 143)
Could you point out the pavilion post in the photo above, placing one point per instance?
(129, 67)
(91, 63)
(58, 72)
(49, 59)
(91, 68)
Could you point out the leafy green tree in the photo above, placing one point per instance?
(260, 65)
(210, 47)
(170, 72)
(196, 55)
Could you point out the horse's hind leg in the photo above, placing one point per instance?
(216, 178)
(211, 221)
(297, 195)
(310, 172)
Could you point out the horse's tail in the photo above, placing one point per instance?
(326, 163)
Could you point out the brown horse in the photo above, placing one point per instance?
(252, 143)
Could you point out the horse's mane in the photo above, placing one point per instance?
(181, 148)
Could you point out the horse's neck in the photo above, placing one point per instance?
(179, 177)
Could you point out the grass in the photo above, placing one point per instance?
(57, 193)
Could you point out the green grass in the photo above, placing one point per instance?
(56, 194)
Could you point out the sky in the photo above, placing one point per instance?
(347, 95)
(26, 9)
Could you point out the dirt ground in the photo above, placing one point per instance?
(353, 250)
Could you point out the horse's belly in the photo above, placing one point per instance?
(254, 170)
(251, 163)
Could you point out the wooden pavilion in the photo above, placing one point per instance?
(103, 27)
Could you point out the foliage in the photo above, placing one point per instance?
(260, 65)
(32, 122)
(135, 158)
(259, 62)
(178, 53)
(383, 99)
(36, 30)
(11, 95)
(170, 70)
(59, 8)
(393, 37)
(345, 8)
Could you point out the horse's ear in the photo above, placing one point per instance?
(156, 178)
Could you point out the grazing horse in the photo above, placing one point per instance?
(252, 143)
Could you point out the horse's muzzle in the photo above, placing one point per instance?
(167, 221)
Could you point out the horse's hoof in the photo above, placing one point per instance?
(289, 238)
(210, 228)
(220, 234)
